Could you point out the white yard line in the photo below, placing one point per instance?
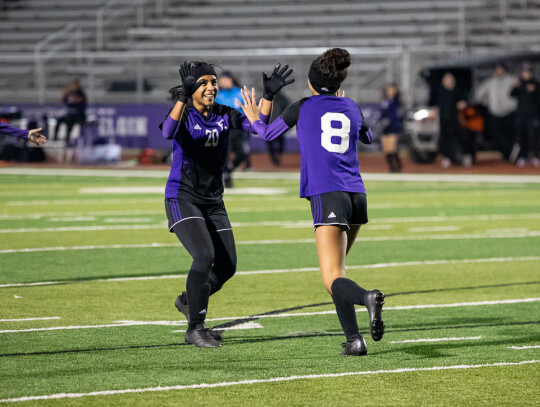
(435, 229)
(269, 380)
(84, 228)
(418, 219)
(71, 202)
(161, 190)
(470, 338)
(85, 213)
(524, 347)
(283, 315)
(88, 247)
(292, 270)
(518, 235)
(73, 219)
(493, 234)
(247, 325)
(115, 325)
(28, 319)
(454, 178)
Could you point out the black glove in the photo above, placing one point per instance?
(188, 81)
(276, 81)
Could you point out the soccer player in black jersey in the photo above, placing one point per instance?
(328, 127)
(199, 128)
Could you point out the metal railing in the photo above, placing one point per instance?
(69, 36)
(112, 11)
(397, 64)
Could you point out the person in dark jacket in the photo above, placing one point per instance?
(449, 100)
(527, 93)
(392, 118)
(74, 98)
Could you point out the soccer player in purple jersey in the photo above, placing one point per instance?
(199, 128)
(33, 135)
(328, 128)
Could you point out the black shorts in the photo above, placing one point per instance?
(339, 208)
(213, 214)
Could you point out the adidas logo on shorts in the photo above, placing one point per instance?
(203, 312)
(332, 215)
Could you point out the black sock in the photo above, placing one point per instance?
(348, 291)
(347, 318)
(198, 292)
(215, 284)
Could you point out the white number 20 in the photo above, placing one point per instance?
(342, 133)
(212, 138)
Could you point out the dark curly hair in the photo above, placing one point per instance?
(332, 65)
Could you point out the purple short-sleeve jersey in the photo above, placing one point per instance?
(328, 129)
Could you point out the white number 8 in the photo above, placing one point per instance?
(328, 132)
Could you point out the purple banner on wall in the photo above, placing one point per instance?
(135, 125)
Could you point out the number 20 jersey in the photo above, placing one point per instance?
(200, 146)
(328, 129)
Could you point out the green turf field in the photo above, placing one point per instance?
(89, 274)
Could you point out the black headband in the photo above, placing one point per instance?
(319, 84)
(201, 70)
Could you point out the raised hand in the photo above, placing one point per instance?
(36, 137)
(188, 80)
(250, 108)
(276, 81)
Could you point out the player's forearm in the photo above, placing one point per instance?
(269, 132)
(8, 130)
(177, 111)
(266, 107)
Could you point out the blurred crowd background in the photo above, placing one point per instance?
(439, 81)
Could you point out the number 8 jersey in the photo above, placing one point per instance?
(328, 129)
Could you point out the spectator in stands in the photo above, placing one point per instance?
(74, 98)
(494, 93)
(527, 93)
(449, 99)
(392, 121)
(276, 147)
(229, 91)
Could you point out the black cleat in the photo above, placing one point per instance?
(181, 305)
(374, 304)
(356, 348)
(201, 337)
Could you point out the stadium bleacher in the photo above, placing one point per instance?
(143, 41)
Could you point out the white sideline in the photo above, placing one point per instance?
(283, 315)
(470, 338)
(28, 319)
(524, 347)
(291, 270)
(257, 381)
